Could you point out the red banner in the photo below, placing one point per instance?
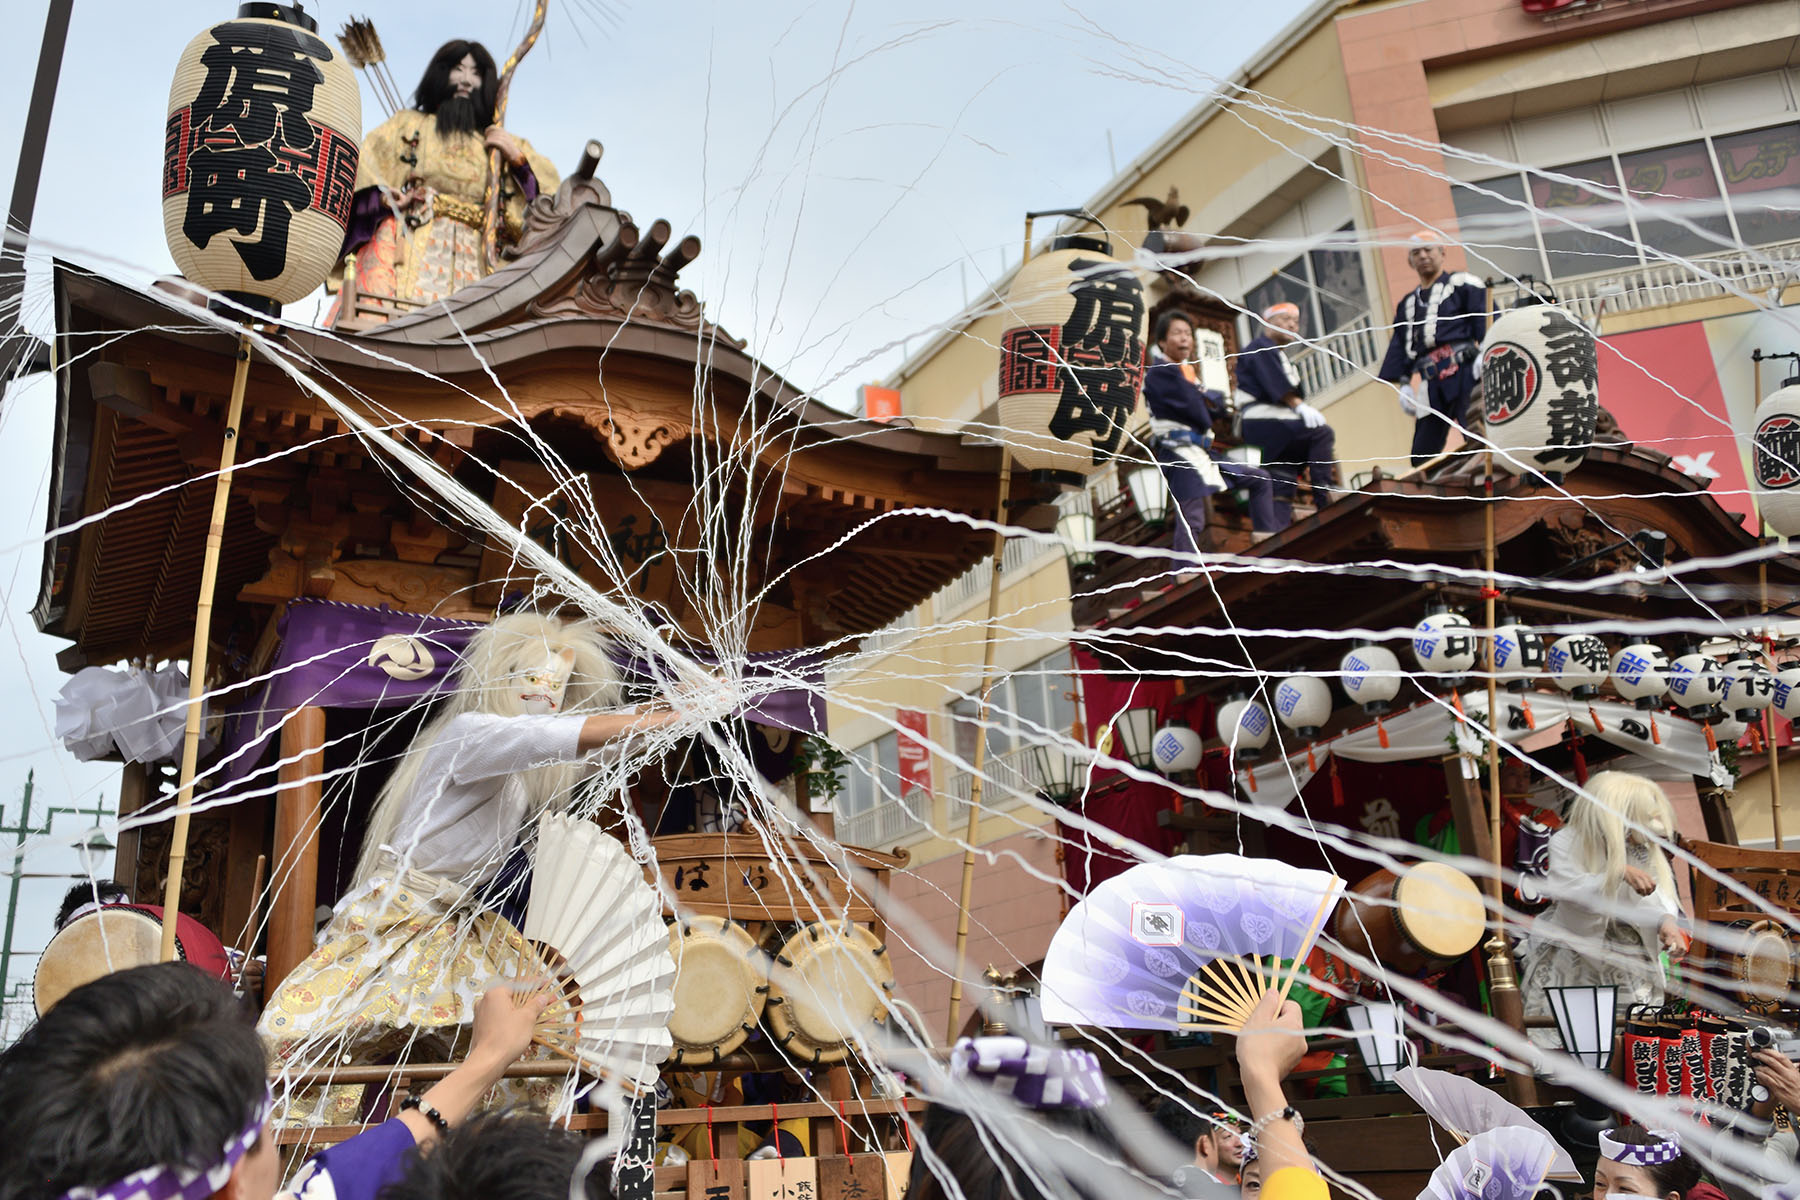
(915, 752)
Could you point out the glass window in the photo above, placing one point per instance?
(1681, 178)
(1496, 230)
(1337, 273)
(887, 764)
(1576, 220)
(1762, 176)
(1289, 284)
(874, 774)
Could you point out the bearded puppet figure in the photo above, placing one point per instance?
(421, 183)
(417, 939)
(1613, 908)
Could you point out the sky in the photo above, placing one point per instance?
(856, 173)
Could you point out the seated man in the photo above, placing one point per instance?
(1435, 352)
(1276, 418)
(151, 1082)
(1181, 417)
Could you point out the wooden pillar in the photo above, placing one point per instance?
(1715, 807)
(134, 796)
(294, 874)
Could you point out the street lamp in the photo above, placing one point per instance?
(1149, 492)
(1059, 775)
(1376, 1028)
(1584, 1020)
(1075, 529)
(1136, 728)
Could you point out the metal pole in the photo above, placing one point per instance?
(20, 210)
(209, 573)
(18, 873)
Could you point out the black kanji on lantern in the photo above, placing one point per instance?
(1570, 359)
(1777, 446)
(1102, 355)
(253, 158)
(1509, 378)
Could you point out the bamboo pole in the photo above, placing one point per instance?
(1762, 582)
(209, 575)
(981, 738)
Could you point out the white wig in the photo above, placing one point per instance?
(1617, 806)
(486, 683)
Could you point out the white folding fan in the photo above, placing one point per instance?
(599, 924)
(1508, 1163)
(1189, 943)
(1466, 1109)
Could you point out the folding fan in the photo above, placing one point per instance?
(1189, 943)
(1466, 1109)
(599, 924)
(1508, 1163)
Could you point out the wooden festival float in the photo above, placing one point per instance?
(1623, 507)
(585, 337)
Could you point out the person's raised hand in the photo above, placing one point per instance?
(1777, 1073)
(1273, 1039)
(505, 1020)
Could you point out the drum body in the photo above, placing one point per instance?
(829, 983)
(116, 937)
(1760, 960)
(1415, 921)
(721, 985)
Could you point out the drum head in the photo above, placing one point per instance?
(829, 983)
(1764, 963)
(720, 986)
(1440, 910)
(91, 946)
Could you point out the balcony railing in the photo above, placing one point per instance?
(1653, 285)
(1005, 778)
(1350, 351)
(1020, 552)
(889, 823)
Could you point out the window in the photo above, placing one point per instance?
(1762, 177)
(1034, 698)
(1584, 227)
(1325, 283)
(1680, 178)
(1497, 230)
(874, 775)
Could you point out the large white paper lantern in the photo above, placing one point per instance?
(1696, 683)
(1371, 677)
(1303, 703)
(1518, 656)
(1578, 664)
(1071, 359)
(1729, 728)
(1539, 389)
(1443, 644)
(1775, 460)
(1640, 674)
(1787, 693)
(1176, 748)
(259, 157)
(1749, 688)
(1245, 726)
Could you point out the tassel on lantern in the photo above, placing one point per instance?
(1250, 778)
(1337, 785)
(1595, 718)
(1655, 734)
(1381, 733)
(1312, 764)
(1456, 699)
(1530, 718)
(1573, 740)
(1712, 743)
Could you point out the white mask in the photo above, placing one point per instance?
(541, 689)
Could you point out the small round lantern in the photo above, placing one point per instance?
(1749, 688)
(1244, 727)
(1729, 728)
(1787, 693)
(1443, 645)
(1578, 664)
(1176, 748)
(1518, 656)
(1371, 677)
(1696, 684)
(1775, 460)
(259, 157)
(1303, 703)
(1071, 359)
(1539, 387)
(1640, 674)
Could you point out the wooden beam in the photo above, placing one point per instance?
(294, 874)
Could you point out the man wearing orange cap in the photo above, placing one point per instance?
(1436, 349)
(1275, 416)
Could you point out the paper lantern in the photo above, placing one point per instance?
(1371, 677)
(1728, 729)
(1696, 683)
(1443, 645)
(1176, 749)
(1071, 359)
(1539, 389)
(1749, 688)
(1787, 693)
(1244, 725)
(1518, 656)
(1640, 674)
(1578, 664)
(259, 157)
(1303, 703)
(1775, 460)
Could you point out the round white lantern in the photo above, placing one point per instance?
(1728, 729)
(1518, 656)
(1371, 677)
(1244, 726)
(1787, 693)
(1176, 748)
(1303, 703)
(1749, 688)
(1578, 664)
(259, 157)
(1775, 460)
(1696, 683)
(1539, 389)
(1443, 645)
(1640, 674)
(1071, 359)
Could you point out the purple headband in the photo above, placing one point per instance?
(1664, 1149)
(165, 1182)
(1034, 1076)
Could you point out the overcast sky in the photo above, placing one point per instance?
(855, 172)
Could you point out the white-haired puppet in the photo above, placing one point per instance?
(413, 945)
(1614, 909)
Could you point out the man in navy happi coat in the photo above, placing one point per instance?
(1275, 416)
(1435, 351)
